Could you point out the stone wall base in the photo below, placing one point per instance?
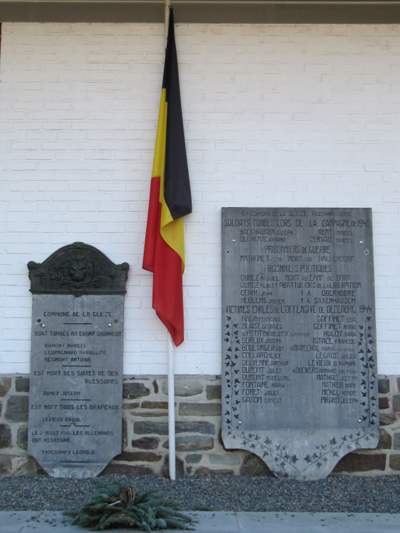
(198, 442)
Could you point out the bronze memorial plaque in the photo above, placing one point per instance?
(75, 403)
(298, 336)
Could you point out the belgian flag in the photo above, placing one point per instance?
(170, 200)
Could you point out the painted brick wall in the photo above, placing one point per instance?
(275, 115)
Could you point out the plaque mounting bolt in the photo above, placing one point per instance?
(109, 324)
(360, 420)
(366, 251)
(42, 325)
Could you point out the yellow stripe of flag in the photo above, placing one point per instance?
(172, 231)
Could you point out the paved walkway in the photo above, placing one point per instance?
(219, 522)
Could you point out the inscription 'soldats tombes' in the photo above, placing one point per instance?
(298, 336)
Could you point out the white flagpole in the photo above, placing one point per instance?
(171, 409)
(171, 354)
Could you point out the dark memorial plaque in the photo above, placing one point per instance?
(75, 403)
(298, 338)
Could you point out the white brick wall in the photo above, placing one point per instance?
(275, 115)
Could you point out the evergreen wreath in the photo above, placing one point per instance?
(120, 506)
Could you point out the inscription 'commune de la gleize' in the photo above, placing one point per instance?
(76, 362)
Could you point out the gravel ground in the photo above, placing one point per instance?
(337, 493)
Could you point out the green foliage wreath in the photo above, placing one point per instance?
(120, 506)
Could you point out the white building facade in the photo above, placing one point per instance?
(276, 114)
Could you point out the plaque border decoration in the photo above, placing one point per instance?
(276, 454)
(77, 269)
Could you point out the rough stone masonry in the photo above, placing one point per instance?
(198, 420)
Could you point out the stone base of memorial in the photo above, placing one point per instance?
(198, 423)
(75, 402)
(298, 336)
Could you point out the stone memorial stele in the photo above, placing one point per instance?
(298, 336)
(75, 402)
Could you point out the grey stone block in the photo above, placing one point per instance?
(5, 436)
(396, 402)
(394, 462)
(396, 441)
(192, 443)
(129, 470)
(161, 428)
(138, 457)
(253, 466)
(124, 433)
(17, 408)
(204, 471)
(154, 405)
(358, 462)
(195, 427)
(151, 414)
(5, 464)
(185, 387)
(383, 402)
(228, 459)
(22, 384)
(146, 427)
(22, 437)
(25, 465)
(146, 443)
(385, 419)
(155, 386)
(134, 389)
(385, 440)
(131, 406)
(383, 386)
(200, 409)
(193, 458)
(5, 385)
(213, 392)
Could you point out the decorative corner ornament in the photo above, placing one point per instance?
(78, 269)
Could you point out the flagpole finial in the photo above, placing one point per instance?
(167, 14)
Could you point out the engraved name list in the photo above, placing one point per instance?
(298, 327)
